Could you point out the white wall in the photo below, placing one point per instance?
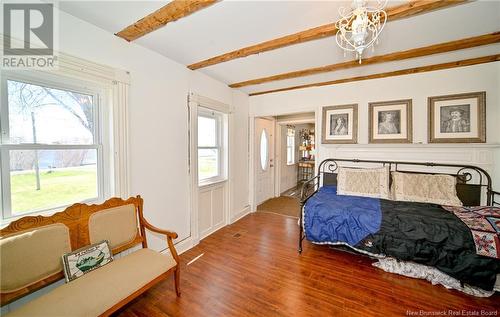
(239, 157)
(158, 122)
(483, 77)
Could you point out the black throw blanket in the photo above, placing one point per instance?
(429, 235)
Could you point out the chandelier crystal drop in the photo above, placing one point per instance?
(359, 27)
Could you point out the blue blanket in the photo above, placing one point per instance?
(329, 217)
(408, 231)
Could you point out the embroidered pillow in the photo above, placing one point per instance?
(364, 182)
(86, 259)
(425, 188)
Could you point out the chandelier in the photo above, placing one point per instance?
(360, 27)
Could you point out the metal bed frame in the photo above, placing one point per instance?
(473, 182)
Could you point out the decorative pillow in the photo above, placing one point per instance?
(86, 259)
(365, 182)
(425, 188)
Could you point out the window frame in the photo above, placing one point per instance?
(220, 145)
(100, 136)
(291, 147)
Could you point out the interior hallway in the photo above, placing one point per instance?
(288, 204)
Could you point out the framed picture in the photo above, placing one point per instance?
(458, 118)
(340, 124)
(390, 121)
(86, 259)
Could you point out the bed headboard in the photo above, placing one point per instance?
(473, 183)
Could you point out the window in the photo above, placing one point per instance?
(211, 154)
(290, 146)
(264, 153)
(50, 148)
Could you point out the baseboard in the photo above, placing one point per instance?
(182, 246)
(293, 187)
(245, 211)
(189, 242)
(185, 245)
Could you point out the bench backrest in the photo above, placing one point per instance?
(31, 247)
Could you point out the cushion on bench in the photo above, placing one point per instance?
(97, 291)
(30, 256)
(118, 225)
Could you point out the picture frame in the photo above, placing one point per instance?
(458, 118)
(390, 121)
(86, 259)
(340, 124)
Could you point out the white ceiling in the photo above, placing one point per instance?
(230, 25)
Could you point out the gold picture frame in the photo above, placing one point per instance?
(458, 118)
(393, 121)
(340, 124)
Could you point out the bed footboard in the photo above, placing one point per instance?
(495, 198)
(309, 188)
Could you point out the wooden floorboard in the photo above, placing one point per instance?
(252, 268)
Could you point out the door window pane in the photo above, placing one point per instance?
(64, 177)
(207, 132)
(290, 156)
(290, 146)
(208, 163)
(264, 155)
(45, 115)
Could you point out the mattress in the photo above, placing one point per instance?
(416, 232)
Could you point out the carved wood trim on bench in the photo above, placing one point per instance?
(76, 218)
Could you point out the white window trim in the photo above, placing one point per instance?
(221, 145)
(101, 147)
(113, 87)
(195, 101)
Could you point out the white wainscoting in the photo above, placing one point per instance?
(212, 208)
(474, 154)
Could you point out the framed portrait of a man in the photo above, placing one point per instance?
(390, 121)
(457, 118)
(340, 124)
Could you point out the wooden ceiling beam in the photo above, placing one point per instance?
(171, 12)
(406, 10)
(408, 71)
(391, 57)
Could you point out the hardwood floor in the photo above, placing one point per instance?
(293, 192)
(252, 268)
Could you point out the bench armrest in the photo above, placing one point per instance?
(149, 226)
(170, 236)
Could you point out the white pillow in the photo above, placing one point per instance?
(364, 182)
(425, 188)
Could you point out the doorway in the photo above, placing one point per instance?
(264, 159)
(283, 159)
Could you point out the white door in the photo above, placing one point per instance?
(264, 159)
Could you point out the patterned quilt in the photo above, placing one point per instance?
(484, 224)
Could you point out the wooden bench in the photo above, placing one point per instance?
(31, 250)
